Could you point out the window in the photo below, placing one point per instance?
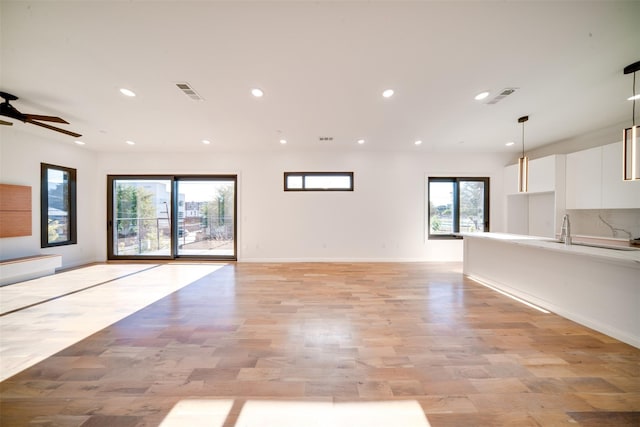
(171, 216)
(458, 205)
(318, 181)
(57, 206)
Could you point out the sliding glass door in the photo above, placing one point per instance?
(166, 217)
(206, 217)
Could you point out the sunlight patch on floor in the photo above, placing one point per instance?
(270, 413)
(31, 335)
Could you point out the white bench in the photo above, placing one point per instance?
(26, 268)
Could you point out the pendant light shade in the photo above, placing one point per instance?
(630, 154)
(523, 163)
(630, 149)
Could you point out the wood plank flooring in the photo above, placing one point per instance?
(333, 344)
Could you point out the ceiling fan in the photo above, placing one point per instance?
(9, 110)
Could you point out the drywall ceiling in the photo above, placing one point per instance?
(322, 66)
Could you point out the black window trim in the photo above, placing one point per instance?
(173, 178)
(303, 175)
(44, 206)
(456, 205)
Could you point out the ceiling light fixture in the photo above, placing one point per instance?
(630, 149)
(79, 142)
(418, 142)
(523, 163)
(130, 142)
(634, 97)
(510, 143)
(361, 141)
(388, 93)
(206, 142)
(258, 93)
(481, 96)
(127, 92)
(283, 141)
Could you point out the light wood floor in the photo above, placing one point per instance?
(413, 344)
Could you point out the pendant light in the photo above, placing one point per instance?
(630, 149)
(523, 163)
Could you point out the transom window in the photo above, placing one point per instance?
(318, 181)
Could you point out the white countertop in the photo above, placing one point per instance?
(602, 253)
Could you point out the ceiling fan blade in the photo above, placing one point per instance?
(2, 122)
(67, 132)
(45, 118)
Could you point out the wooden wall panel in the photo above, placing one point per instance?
(15, 210)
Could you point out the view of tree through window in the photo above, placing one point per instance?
(206, 217)
(458, 205)
(142, 217)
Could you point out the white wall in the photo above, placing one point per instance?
(382, 220)
(20, 158)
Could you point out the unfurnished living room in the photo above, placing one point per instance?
(319, 213)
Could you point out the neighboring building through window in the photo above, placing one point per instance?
(457, 205)
(57, 205)
(318, 181)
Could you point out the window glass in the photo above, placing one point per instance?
(294, 181)
(471, 206)
(441, 207)
(325, 182)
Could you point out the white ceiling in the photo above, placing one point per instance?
(322, 66)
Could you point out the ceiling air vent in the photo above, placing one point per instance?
(325, 138)
(189, 91)
(502, 95)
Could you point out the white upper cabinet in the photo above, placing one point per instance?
(511, 179)
(616, 193)
(584, 179)
(594, 180)
(544, 175)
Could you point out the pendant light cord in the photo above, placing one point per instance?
(522, 139)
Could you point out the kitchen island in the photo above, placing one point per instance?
(596, 287)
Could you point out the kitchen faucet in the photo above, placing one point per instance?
(565, 232)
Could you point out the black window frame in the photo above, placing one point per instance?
(174, 179)
(456, 205)
(71, 197)
(304, 175)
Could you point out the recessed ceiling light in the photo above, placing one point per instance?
(418, 142)
(388, 93)
(283, 141)
(79, 142)
(631, 98)
(206, 142)
(481, 96)
(257, 92)
(361, 141)
(127, 92)
(131, 143)
(509, 144)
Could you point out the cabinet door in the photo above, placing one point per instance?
(542, 174)
(584, 179)
(511, 179)
(616, 193)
